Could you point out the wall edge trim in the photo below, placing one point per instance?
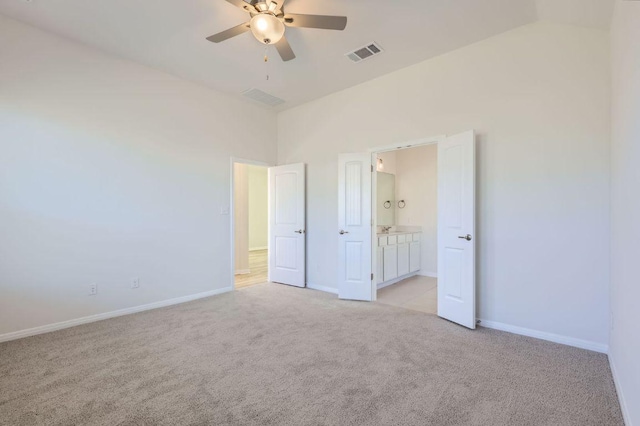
(543, 335)
(322, 288)
(47, 328)
(623, 405)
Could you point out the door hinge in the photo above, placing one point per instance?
(372, 276)
(372, 168)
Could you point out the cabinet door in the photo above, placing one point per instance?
(390, 256)
(380, 266)
(414, 256)
(403, 259)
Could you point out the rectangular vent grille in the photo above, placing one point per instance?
(365, 52)
(262, 97)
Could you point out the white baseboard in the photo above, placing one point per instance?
(428, 274)
(380, 286)
(322, 288)
(396, 280)
(565, 340)
(258, 248)
(106, 315)
(623, 404)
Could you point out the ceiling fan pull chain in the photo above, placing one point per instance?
(266, 59)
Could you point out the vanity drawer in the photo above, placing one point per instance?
(392, 240)
(416, 237)
(382, 241)
(402, 238)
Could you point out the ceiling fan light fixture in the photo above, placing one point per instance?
(267, 24)
(267, 28)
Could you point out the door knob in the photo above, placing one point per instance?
(465, 237)
(343, 232)
(300, 231)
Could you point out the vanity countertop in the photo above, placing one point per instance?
(391, 233)
(398, 237)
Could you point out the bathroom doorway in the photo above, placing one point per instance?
(361, 242)
(406, 215)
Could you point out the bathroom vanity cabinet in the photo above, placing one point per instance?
(398, 257)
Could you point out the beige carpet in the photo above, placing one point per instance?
(277, 355)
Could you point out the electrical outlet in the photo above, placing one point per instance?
(224, 210)
(93, 289)
(135, 282)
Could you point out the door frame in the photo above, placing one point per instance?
(232, 220)
(433, 140)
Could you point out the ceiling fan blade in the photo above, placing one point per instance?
(284, 49)
(246, 5)
(316, 21)
(231, 32)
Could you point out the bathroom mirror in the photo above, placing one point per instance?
(386, 196)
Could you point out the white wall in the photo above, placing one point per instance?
(625, 207)
(538, 96)
(241, 218)
(110, 170)
(258, 207)
(417, 184)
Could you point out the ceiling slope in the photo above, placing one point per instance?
(171, 36)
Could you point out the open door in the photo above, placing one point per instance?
(456, 229)
(354, 222)
(287, 224)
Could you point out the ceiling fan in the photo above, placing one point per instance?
(268, 21)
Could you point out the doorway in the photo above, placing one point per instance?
(250, 215)
(406, 215)
(268, 224)
(358, 240)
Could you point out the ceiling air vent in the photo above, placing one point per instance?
(262, 97)
(365, 52)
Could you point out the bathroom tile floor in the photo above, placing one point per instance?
(417, 293)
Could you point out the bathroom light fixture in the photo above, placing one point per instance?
(380, 166)
(266, 28)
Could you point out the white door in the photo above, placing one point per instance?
(287, 224)
(456, 229)
(354, 227)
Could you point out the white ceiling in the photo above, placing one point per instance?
(170, 35)
(588, 13)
